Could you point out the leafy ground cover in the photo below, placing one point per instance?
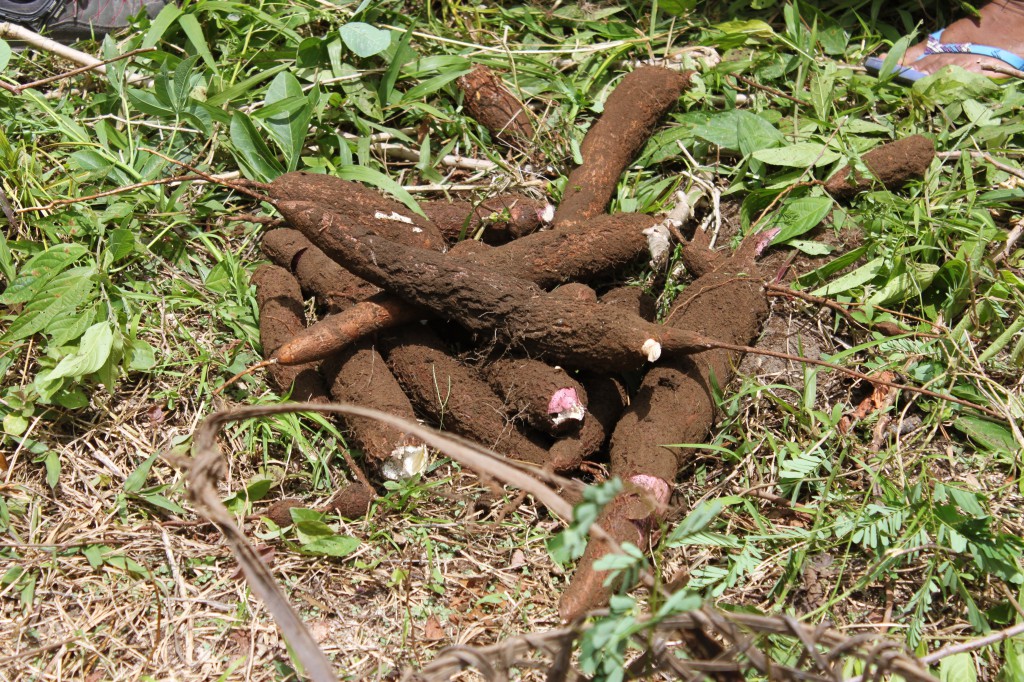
(127, 305)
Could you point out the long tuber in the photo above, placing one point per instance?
(516, 312)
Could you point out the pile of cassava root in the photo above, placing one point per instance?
(501, 339)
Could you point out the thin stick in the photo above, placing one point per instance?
(213, 179)
(248, 370)
(18, 89)
(974, 644)
(9, 31)
(986, 157)
(451, 160)
(778, 93)
(58, 203)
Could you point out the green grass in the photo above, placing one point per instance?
(116, 305)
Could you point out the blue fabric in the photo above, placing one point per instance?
(934, 45)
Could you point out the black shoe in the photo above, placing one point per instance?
(72, 20)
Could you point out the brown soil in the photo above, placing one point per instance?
(282, 316)
(630, 114)
(893, 165)
(492, 105)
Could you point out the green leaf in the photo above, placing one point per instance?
(190, 25)
(252, 153)
(695, 522)
(5, 54)
(6, 260)
(958, 668)
(289, 127)
(163, 503)
(799, 216)
(141, 356)
(800, 155)
(380, 181)
(120, 243)
(52, 463)
(989, 434)
(137, 478)
(39, 271)
(92, 353)
(15, 424)
(334, 545)
(858, 277)
(64, 294)
(363, 39)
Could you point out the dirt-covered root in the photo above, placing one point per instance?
(336, 332)
(514, 312)
(627, 518)
(545, 396)
(675, 402)
(282, 316)
(630, 114)
(358, 206)
(334, 287)
(603, 247)
(452, 395)
(496, 220)
(892, 164)
(633, 299)
(492, 105)
(606, 398)
(574, 292)
(352, 500)
(360, 376)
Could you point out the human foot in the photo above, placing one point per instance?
(1000, 25)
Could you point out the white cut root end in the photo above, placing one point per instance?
(405, 462)
(651, 349)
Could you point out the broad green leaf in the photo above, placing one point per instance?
(958, 668)
(800, 155)
(363, 39)
(334, 545)
(120, 243)
(52, 463)
(37, 273)
(163, 503)
(905, 285)
(141, 356)
(380, 181)
(5, 54)
(677, 7)
(799, 216)
(893, 57)
(163, 21)
(289, 127)
(68, 328)
(190, 25)
(7, 269)
(15, 424)
(64, 294)
(251, 152)
(137, 478)
(809, 247)
(858, 277)
(990, 434)
(92, 353)
(753, 133)
(753, 27)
